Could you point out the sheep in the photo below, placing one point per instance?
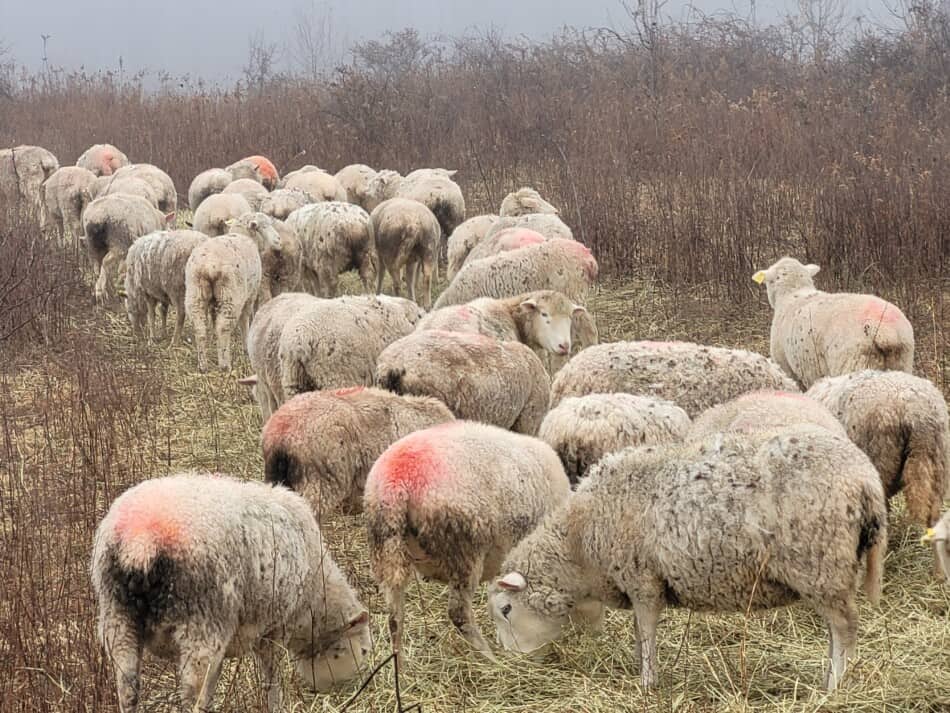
(548, 224)
(23, 170)
(207, 183)
(693, 376)
(110, 225)
(257, 168)
(355, 180)
(315, 182)
(102, 159)
(439, 193)
(280, 268)
(763, 409)
(734, 522)
(464, 238)
(165, 194)
(283, 201)
(407, 237)
(382, 186)
(525, 201)
(562, 265)
(335, 237)
(130, 186)
(584, 429)
(254, 193)
(66, 194)
(197, 568)
(449, 502)
(504, 240)
(939, 535)
(322, 444)
(477, 377)
(901, 422)
(155, 280)
(816, 334)
(215, 211)
(335, 343)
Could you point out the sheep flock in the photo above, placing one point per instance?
(462, 408)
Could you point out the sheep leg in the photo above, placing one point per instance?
(105, 283)
(396, 602)
(266, 656)
(411, 279)
(428, 271)
(125, 652)
(328, 283)
(224, 331)
(647, 614)
(179, 322)
(367, 270)
(843, 634)
(461, 594)
(379, 280)
(161, 312)
(198, 674)
(395, 274)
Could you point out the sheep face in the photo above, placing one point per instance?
(786, 275)
(549, 321)
(339, 660)
(519, 625)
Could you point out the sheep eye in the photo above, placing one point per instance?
(544, 314)
(506, 610)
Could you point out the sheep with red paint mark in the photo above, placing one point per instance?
(207, 183)
(197, 568)
(503, 240)
(525, 201)
(257, 168)
(549, 225)
(763, 409)
(464, 238)
(254, 193)
(477, 377)
(816, 334)
(322, 444)
(102, 159)
(693, 376)
(316, 183)
(449, 502)
(407, 238)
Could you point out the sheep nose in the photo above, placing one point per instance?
(563, 348)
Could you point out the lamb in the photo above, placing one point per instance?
(66, 194)
(254, 193)
(110, 225)
(215, 211)
(940, 537)
(478, 378)
(284, 201)
(901, 422)
(257, 168)
(562, 265)
(280, 268)
(464, 238)
(315, 182)
(548, 224)
(165, 194)
(407, 237)
(734, 522)
(439, 193)
(335, 237)
(584, 429)
(757, 410)
(23, 170)
(693, 376)
(525, 201)
(207, 183)
(102, 159)
(504, 240)
(816, 334)
(199, 568)
(449, 502)
(155, 280)
(356, 179)
(322, 444)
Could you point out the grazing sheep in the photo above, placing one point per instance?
(216, 211)
(693, 376)
(198, 568)
(322, 444)
(254, 193)
(816, 334)
(407, 237)
(584, 429)
(23, 170)
(165, 194)
(939, 535)
(335, 237)
(449, 502)
(439, 193)
(464, 238)
(477, 377)
(525, 201)
(102, 159)
(155, 280)
(130, 186)
(207, 183)
(736, 522)
(335, 343)
(280, 268)
(283, 201)
(382, 186)
(66, 194)
(758, 410)
(504, 240)
(562, 265)
(901, 422)
(548, 224)
(110, 225)
(257, 168)
(316, 183)
(356, 179)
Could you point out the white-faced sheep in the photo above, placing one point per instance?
(939, 535)
(477, 377)
(693, 376)
(110, 225)
(439, 193)
(584, 429)
(757, 410)
(166, 196)
(736, 522)
(335, 237)
(280, 269)
(548, 224)
(23, 170)
(66, 194)
(283, 201)
(562, 265)
(316, 183)
(102, 159)
(407, 238)
(525, 201)
(356, 179)
(450, 502)
(257, 168)
(207, 183)
(216, 211)
(155, 280)
(254, 193)
(816, 334)
(504, 240)
(199, 568)
(464, 238)
(322, 444)
(901, 422)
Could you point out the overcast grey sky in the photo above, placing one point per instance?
(209, 39)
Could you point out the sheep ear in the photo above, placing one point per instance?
(812, 270)
(529, 303)
(357, 623)
(578, 309)
(513, 582)
(170, 218)
(451, 172)
(759, 277)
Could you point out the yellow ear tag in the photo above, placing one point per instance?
(928, 536)
(759, 277)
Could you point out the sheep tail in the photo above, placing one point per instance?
(281, 468)
(391, 380)
(873, 541)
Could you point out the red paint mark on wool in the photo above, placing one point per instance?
(267, 169)
(150, 522)
(409, 467)
(349, 391)
(280, 423)
(880, 312)
(776, 394)
(464, 312)
(520, 238)
(584, 255)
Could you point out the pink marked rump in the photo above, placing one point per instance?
(410, 467)
(515, 238)
(266, 169)
(584, 256)
(877, 311)
(349, 391)
(148, 524)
